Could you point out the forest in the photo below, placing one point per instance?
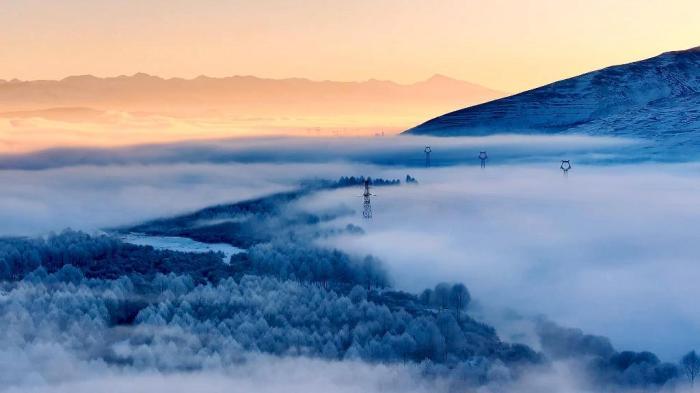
(102, 299)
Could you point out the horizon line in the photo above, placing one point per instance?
(249, 76)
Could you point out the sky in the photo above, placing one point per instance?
(510, 45)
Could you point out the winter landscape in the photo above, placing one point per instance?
(188, 233)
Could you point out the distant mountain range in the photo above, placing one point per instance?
(138, 109)
(242, 96)
(656, 98)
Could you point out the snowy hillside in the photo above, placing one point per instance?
(657, 98)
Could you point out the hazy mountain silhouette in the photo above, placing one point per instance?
(245, 96)
(89, 111)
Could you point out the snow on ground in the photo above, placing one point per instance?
(182, 244)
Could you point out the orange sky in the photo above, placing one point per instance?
(504, 44)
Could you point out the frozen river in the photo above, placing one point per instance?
(181, 244)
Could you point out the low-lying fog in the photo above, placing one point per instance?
(610, 248)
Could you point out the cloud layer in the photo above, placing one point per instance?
(609, 249)
(393, 151)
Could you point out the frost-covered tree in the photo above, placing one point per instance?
(690, 363)
(97, 298)
(459, 297)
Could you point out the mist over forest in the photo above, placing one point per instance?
(507, 278)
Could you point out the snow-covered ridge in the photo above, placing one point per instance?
(656, 98)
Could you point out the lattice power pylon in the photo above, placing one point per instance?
(367, 211)
(483, 157)
(565, 166)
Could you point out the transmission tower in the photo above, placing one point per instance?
(367, 211)
(483, 157)
(427, 151)
(565, 166)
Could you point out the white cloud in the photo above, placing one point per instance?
(262, 374)
(610, 249)
(94, 197)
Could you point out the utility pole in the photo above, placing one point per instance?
(427, 151)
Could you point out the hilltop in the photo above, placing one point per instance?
(657, 98)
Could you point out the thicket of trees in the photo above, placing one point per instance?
(242, 224)
(177, 324)
(261, 220)
(690, 365)
(188, 311)
(633, 369)
(603, 365)
(447, 297)
(347, 181)
(283, 317)
(109, 258)
(103, 257)
(291, 261)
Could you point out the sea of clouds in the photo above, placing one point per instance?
(607, 249)
(610, 248)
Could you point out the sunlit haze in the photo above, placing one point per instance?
(507, 45)
(376, 196)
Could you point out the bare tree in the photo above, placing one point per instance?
(691, 366)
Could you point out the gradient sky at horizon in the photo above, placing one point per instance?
(508, 45)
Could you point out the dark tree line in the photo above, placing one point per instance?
(108, 258)
(605, 366)
(291, 261)
(447, 297)
(349, 181)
